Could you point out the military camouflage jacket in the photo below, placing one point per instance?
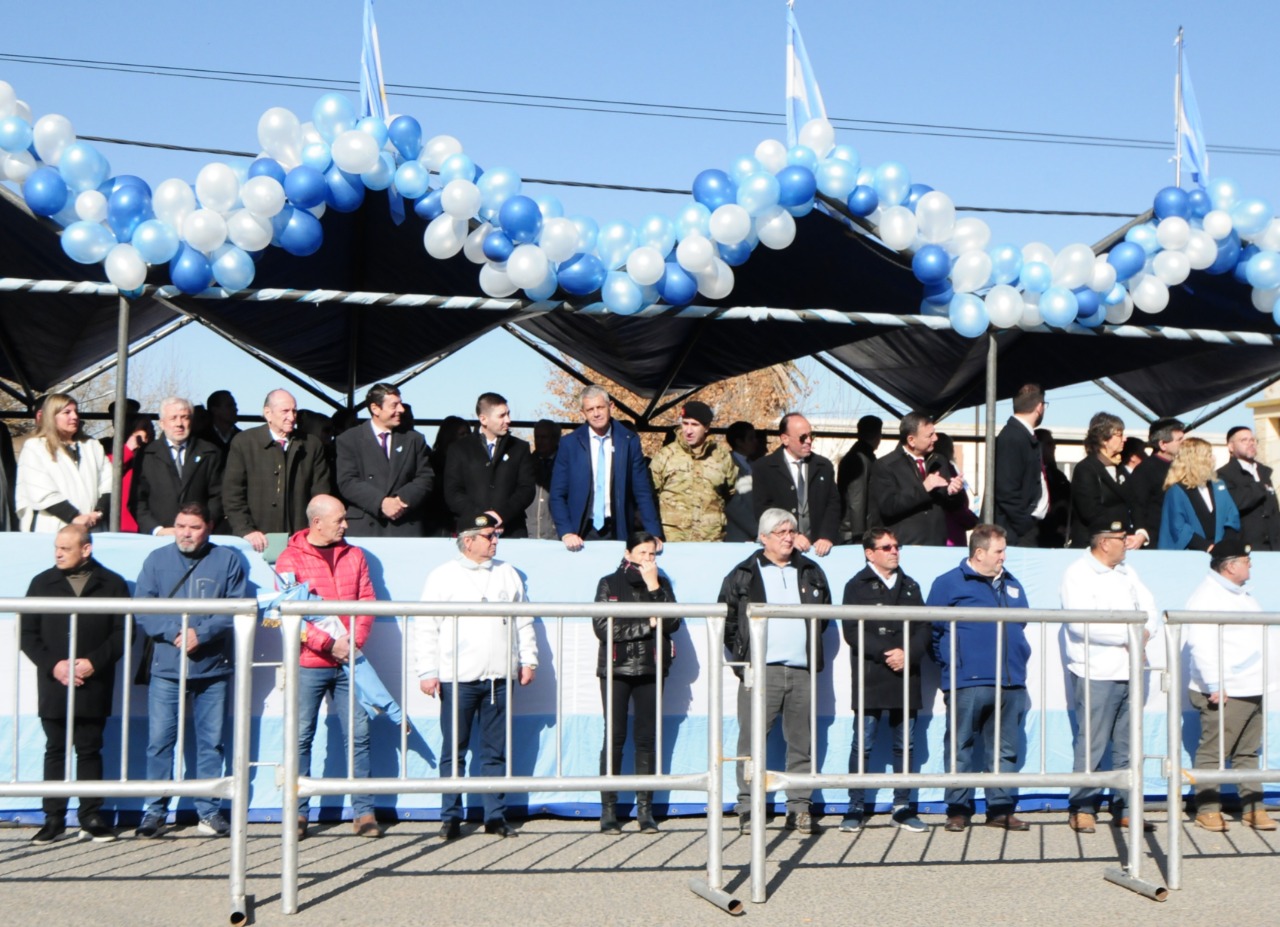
(691, 488)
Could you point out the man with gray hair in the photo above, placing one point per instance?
(778, 574)
(177, 469)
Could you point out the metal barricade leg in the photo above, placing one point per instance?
(759, 633)
(242, 716)
(291, 634)
(1173, 641)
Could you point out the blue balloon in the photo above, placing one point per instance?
(758, 192)
(937, 310)
(521, 219)
(656, 231)
(1172, 201)
(547, 290)
(804, 156)
(744, 166)
(233, 269)
(802, 210)
(939, 294)
(1036, 276)
(847, 153)
(1250, 216)
(497, 186)
(931, 264)
(87, 242)
(302, 235)
(796, 185)
(190, 271)
(1093, 321)
(429, 206)
(1263, 270)
(156, 242)
(1087, 302)
(892, 183)
(279, 222)
(83, 167)
(836, 178)
(1058, 306)
(343, 191)
(305, 186)
(968, 316)
(713, 189)
(268, 167)
(863, 201)
(15, 134)
(1228, 255)
(405, 133)
(45, 191)
(1127, 258)
(112, 184)
(588, 232)
(383, 173)
(497, 246)
(549, 206)
(677, 286)
(1242, 260)
(693, 219)
(621, 294)
(1145, 236)
(1006, 263)
(332, 115)
(317, 155)
(128, 207)
(581, 275)
(735, 255)
(457, 167)
(1198, 204)
(412, 179)
(1116, 295)
(916, 191)
(372, 125)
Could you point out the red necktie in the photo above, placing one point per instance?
(920, 468)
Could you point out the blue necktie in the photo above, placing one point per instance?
(597, 508)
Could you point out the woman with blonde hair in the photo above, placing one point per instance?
(63, 474)
(1198, 509)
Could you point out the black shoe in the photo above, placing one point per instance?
(500, 828)
(52, 830)
(644, 814)
(450, 830)
(744, 823)
(94, 826)
(152, 825)
(802, 822)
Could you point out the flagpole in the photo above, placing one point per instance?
(1177, 118)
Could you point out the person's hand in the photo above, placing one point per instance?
(393, 508)
(803, 543)
(86, 520)
(496, 517)
(895, 659)
(341, 648)
(192, 641)
(934, 481)
(648, 571)
(526, 674)
(822, 547)
(164, 532)
(136, 440)
(657, 545)
(84, 669)
(430, 686)
(955, 485)
(62, 673)
(1218, 698)
(257, 540)
(572, 542)
(1132, 541)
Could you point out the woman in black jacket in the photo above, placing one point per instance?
(637, 651)
(1097, 484)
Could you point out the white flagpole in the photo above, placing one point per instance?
(1177, 105)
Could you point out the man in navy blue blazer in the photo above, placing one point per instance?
(600, 453)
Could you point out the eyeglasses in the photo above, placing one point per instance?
(491, 536)
(784, 532)
(888, 547)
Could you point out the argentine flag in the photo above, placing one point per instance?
(1190, 129)
(804, 99)
(373, 93)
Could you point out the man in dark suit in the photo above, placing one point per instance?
(222, 409)
(1249, 483)
(602, 453)
(854, 478)
(491, 471)
(98, 645)
(1145, 485)
(908, 494)
(1022, 492)
(383, 473)
(803, 483)
(175, 470)
(272, 472)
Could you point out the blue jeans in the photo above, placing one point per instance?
(485, 701)
(314, 683)
(1108, 724)
(976, 713)
(902, 727)
(208, 712)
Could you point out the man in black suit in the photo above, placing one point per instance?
(272, 473)
(175, 470)
(491, 471)
(1146, 484)
(854, 478)
(99, 643)
(1022, 492)
(384, 474)
(222, 409)
(908, 494)
(797, 480)
(1249, 483)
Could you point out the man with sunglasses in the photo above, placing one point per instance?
(801, 482)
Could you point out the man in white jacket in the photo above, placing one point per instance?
(485, 651)
(1227, 688)
(1097, 660)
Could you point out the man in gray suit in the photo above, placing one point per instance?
(384, 474)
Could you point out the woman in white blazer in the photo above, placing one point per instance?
(63, 474)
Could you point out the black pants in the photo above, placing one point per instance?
(86, 740)
(642, 693)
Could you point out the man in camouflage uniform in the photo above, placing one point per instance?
(693, 478)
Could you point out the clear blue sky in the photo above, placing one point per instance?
(1090, 68)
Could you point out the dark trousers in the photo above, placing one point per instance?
(640, 693)
(86, 740)
(483, 701)
(786, 695)
(975, 714)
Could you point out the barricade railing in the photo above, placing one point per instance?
(296, 785)
(1175, 772)
(234, 786)
(763, 780)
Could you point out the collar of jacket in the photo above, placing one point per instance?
(298, 541)
(970, 573)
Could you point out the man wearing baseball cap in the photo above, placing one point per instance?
(693, 477)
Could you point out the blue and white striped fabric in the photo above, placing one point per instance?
(804, 99)
(373, 93)
(1191, 129)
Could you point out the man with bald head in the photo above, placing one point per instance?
(272, 472)
(98, 644)
(319, 556)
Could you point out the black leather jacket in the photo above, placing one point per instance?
(744, 585)
(634, 646)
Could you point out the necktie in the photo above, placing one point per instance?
(597, 508)
(178, 451)
(920, 468)
(385, 439)
(489, 448)
(801, 491)
(284, 445)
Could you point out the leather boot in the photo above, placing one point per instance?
(644, 800)
(609, 814)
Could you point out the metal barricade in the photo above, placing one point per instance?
(710, 781)
(763, 780)
(1177, 774)
(233, 786)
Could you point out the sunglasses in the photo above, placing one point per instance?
(805, 438)
(888, 547)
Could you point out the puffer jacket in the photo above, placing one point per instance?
(692, 487)
(634, 649)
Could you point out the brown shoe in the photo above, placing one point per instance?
(1212, 820)
(1123, 822)
(302, 827)
(1082, 822)
(956, 824)
(1258, 820)
(366, 826)
(1007, 821)
(802, 822)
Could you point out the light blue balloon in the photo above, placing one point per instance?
(372, 125)
(412, 179)
(1144, 236)
(332, 115)
(758, 192)
(1223, 193)
(1036, 276)
(1115, 296)
(83, 167)
(892, 183)
(621, 294)
(549, 206)
(615, 241)
(743, 167)
(866, 177)
(657, 231)
(850, 154)
(1096, 320)
(1058, 306)
(802, 210)
(837, 178)
(156, 241)
(588, 232)
(382, 174)
(457, 167)
(87, 242)
(497, 186)
(693, 219)
(803, 156)
(1006, 263)
(548, 288)
(1263, 270)
(1250, 216)
(940, 310)
(317, 155)
(1275, 314)
(968, 316)
(15, 134)
(233, 269)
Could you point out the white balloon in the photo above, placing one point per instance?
(308, 134)
(1120, 312)
(772, 154)
(1104, 275)
(776, 228)
(527, 267)
(474, 246)
(8, 99)
(17, 166)
(695, 254)
(897, 227)
(459, 198)
(280, 136)
(263, 196)
(1073, 267)
(1038, 252)
(1201, 249)
(493, 278)
(1004, 306)
(1031, 317)
(969, 235)
(204, 230)
(444, 238)
(1171, 267)
(716, 282)
(91, 206)
(935, 216)
(51, 134)
(730, 224)
(819, 135)
(971, 271)
(125, 267)
(1264, 300)
(1269, 240)
(318, 210)
(22, 110)
(173, 201)
(355, 151)
(247, 231)
(1173, 232)
(559, 239)
(437, 150)
(1218, 224)
(217, 187)
(645, 265)
(1149, 293)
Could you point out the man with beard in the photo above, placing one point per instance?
(1249, 483)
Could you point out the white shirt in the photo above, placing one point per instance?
(378, 433)
(1241, 644)
(1250, 467)
(1041, 508)
(593, 450)
(1090, 585)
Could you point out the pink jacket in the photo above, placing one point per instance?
(349, 580)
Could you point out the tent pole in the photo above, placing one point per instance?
(989, 483)
(118, 422)
(567, 368)
(353, 357)
(1125, 401)
(882, 403)
(673, 372)
(72, 385)
(1238, 398)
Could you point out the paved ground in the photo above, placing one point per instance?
(563, 873)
